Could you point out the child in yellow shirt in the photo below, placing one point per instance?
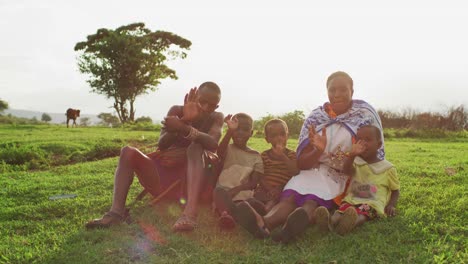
(374, 188)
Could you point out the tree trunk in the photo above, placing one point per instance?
(132, 110)
(123, 112)
(116, 107)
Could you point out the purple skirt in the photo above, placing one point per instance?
(300, 199)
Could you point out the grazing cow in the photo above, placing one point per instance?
(72, 114)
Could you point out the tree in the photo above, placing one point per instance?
(45, 117)
(127, 62)
(294, 120)
(108, 119)
(3, 105)
(144, 119)
(84, 121)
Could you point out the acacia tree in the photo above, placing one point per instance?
(108, 119)
(46, 117)
(127, 62)
(3, 105)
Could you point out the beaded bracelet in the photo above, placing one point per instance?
(193, 134)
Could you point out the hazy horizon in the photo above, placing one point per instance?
(267, 57)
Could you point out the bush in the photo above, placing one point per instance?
(104, 150)
(145, 126)
(31, 156)
(455, 119)
(294, 120)
(423, 133)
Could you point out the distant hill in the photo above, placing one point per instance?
(57, 118)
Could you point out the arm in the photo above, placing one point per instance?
(232, 125)
(357, 149)
(167, 138)
(390, 208)
(210, 140)
(253, 181)
(179, 120)
(291, 164)
(348, 168)
(222, 148)
(309, 157)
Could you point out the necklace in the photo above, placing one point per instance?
(337, 158)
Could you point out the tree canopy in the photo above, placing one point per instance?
(108, 119)
(127, 62)
(46, 117)
(3, 105)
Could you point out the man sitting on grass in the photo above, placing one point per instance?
(190, 132)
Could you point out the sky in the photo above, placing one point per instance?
(268, 57)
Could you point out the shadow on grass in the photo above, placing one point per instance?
(150, 240)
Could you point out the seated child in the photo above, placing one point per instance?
(242, 167)
(374, 188)
(279, 163)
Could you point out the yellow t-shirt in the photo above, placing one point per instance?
(372, 184)
(238, 165)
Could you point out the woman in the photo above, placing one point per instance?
(325, 139)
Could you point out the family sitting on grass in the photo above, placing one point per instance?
(339, 166)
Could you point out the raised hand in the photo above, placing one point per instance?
(358, 148)
(318, 141)
(278, 149)
(192, 107)
(232, 123)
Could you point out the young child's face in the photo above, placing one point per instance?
(371, 141)
(241, 135)
(277, 134)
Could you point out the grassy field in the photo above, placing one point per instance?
(37, 162)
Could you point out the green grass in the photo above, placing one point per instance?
(42, 146)
(33, 229)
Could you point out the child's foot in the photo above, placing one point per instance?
(226, 222)
(109, 219)
(185, 223)
(223, 200)
(295, 225)
(249, 219)
(347, 221)
(322, 219)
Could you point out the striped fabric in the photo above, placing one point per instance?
(276, 173)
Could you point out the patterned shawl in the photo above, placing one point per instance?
(360, 114)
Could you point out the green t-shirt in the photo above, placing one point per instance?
(372, 184)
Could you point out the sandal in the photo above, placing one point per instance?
(226, 222)
(246, 217)
(347, 221)
(296, 224)
(185, 223)
(109, 219)
(322, 219)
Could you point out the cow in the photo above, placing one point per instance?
(72, 114)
